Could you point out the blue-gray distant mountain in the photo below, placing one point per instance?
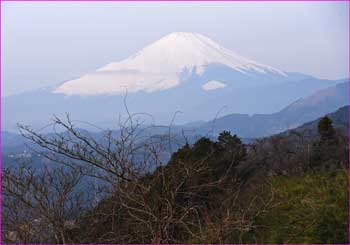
(340, 121)
(184, 72)
(301, 111)
(305, 112)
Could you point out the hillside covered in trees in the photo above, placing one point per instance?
(287, 188)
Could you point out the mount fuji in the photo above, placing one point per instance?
(166, 64)
(182, 71)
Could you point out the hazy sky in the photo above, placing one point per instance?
(48, 43)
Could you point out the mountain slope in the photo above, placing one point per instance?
(163, 65)
(340, 121)
(294, 115)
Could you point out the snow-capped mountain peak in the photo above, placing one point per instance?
(159, 66)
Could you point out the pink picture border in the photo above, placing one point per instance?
(260, 1)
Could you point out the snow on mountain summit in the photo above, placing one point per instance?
(159, 66)
(180, 50)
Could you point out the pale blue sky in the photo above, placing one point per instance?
(48, 43)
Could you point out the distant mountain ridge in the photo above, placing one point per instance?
(340, 121)
(301, 116)
(294, 115)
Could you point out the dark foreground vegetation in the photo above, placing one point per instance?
(290, 188)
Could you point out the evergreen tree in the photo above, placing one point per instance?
(232, 145)
(325, 150)
(325, 129)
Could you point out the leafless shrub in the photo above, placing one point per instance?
(139, 199)
(39, 206)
